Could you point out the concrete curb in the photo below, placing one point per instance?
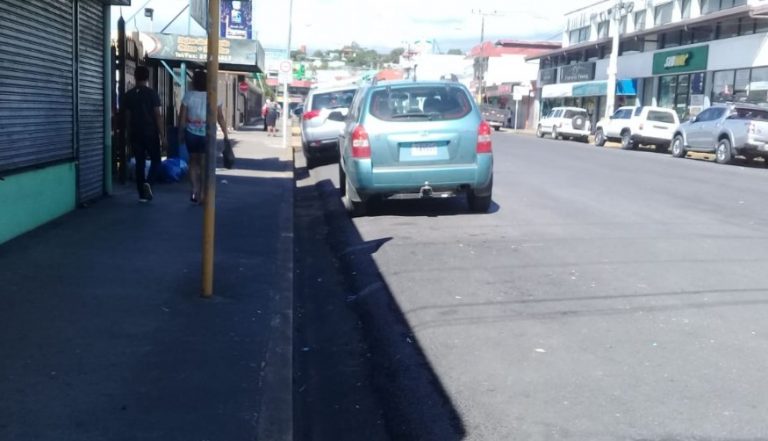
(415, 404)
(275, 417)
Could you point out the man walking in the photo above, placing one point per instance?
(145, 130)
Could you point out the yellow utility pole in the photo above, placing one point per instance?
(209, 216)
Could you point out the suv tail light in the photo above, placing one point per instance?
(361, 146)
(484, 138)
(311, 114)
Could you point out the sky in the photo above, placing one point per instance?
(381, 25)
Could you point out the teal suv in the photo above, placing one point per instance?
(415, 139)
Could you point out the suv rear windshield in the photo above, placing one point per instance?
(572, 113)
(659, 116)
(416, 103)
(332, 100)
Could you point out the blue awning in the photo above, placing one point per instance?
(626, 87)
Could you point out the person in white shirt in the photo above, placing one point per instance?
(192, 128)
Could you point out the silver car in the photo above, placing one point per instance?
(727, 130)
(325, 110)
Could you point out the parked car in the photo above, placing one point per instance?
(415, 139)
(726, 130)
(633, 126)
(496, 117)
(565, 122)
(323, 119)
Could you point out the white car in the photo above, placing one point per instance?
(565, 122)
(633, 126)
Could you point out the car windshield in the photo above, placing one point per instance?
(420, 102)
(332, 100)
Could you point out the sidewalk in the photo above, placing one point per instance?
(104, 335)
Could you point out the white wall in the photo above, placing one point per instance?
(746, 51)
(511, 69)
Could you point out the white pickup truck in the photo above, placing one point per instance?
(727, 130)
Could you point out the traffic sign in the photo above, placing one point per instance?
(285, 72)
(244, 87)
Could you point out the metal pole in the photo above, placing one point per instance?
(614, 61)
(286, 113)
(209, 217)
(122, 141)
(517, 102)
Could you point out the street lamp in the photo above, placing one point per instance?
(619, 10)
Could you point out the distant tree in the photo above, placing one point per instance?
(394, 55)
(455, 52)
(318, 54)
(298, 56)
(355, 46)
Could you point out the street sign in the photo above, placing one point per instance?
(285, 72)
(244, 87)
(518, 92)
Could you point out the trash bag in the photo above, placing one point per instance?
(174, 169)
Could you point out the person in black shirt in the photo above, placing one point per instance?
(145, 130)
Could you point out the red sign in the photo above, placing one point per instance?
(244, 87)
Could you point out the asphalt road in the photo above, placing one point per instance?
(609, 295)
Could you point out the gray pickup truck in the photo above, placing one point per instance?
(727, 130)
(496, 117)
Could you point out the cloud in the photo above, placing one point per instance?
(328, 24)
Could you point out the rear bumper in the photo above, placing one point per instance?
(563, 131)
(640, 139)
(370, 181)
(754, 147)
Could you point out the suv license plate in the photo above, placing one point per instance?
(424, 151)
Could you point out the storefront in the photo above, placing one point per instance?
(588, 95)
(682, 79)
(54, 127)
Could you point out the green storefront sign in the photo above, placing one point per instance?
(681, 60)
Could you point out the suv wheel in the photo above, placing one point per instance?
(724, 155)
(599, 138)
(626, 140)
(539, 132)
(678, 148)
(480, 204)
(354, 208)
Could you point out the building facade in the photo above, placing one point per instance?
(500, 66)
(680, 54)
(54, 100)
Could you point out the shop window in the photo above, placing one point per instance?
(710, 6)
(670, 39)
(758, 86)
(701, 34)
(667, 91)
(746, 26)
(574, 58)
(662, 14)
(727, 29)
(722, 86)
(579, 35)
(648, 91)
(639, 21)
(761, 26)
(741, 85)
(602, 29)
(623, 25)
(685, 9)
(632, 45)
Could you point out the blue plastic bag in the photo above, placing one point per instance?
(174, 169)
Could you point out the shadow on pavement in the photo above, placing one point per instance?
(415, 403)
(103, 331)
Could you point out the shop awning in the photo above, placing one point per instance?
(626, 87)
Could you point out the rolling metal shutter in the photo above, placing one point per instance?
(36, 82)
(90, 74)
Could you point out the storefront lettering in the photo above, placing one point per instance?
(680, 60)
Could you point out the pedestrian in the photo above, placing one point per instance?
(272, 115)
(145, 129)
(265, 111)
(192, 128)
